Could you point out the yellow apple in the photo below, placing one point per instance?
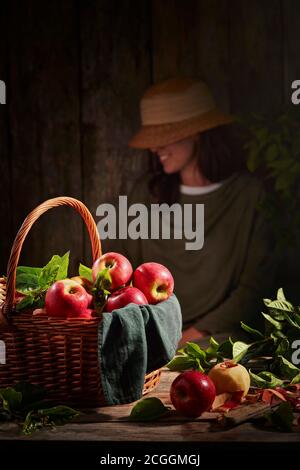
(230, 377)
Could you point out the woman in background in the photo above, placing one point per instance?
(194, 162)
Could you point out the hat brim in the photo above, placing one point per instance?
(164, 134)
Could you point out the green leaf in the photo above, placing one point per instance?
(26, 302)
(55, 416)
(31, 423)
(181, 363)
(27, 278)
(56, 269)
(194, 350)
(288, 370)
(265, 379)
(239, 349)
(271, 380)
(86, 272)
(280, 294)
(103, 279)
(64, 267)
(148, 409)
(282, 418)
(273, 322)
(212, 350)
(199, 365)
(252, 331)
(280, 306)
(283, 347)
(296, 379)
(257, 381)
(58, 415)
(225, 349)
(11, 400)
(292, 321)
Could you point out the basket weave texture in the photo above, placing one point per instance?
(60, 355)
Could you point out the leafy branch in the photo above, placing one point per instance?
(27, 404)
(273, 348)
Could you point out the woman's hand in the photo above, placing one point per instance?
(192, 334)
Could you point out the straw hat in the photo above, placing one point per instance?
(175, 109)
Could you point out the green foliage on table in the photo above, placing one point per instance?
(273, 348)
(26, 404)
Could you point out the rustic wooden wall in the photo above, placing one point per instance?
(75, 71)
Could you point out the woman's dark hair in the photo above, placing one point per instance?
(219, 156)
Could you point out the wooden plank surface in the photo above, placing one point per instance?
(44, 120)
(111, 424)
(5, 162)
(191, 39)
(116, 69)
(256, 56)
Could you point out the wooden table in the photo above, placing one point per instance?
(109, 428)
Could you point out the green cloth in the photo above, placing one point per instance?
(225, 281)
(133, 341)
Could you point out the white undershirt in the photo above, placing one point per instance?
(197, 190)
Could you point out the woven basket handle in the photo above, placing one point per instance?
(21, 235)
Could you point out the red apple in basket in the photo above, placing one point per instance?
(192, 393)
(155, 281)
(67, 299)
(125, 296)
(120, 269)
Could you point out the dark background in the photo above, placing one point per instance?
(74, 72)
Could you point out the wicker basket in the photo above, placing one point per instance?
(60, 355)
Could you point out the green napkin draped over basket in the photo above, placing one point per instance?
(133, 341)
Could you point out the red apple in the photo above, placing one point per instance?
(67, 298)
(125, 296)
(155, 281)
(192, 393)
(120, 269)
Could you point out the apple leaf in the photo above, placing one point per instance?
(282, 418)
(225, 349)
(181, 363)
(280, 294)
(148, 409)
(86, 272)
(11, 399)
(265, 379)
(277, 324)
(27, 278)
(194, 350)
(296, 379)
(55, 270)
(239, 349)
(212, 350)
(252, 331)
(288, 369)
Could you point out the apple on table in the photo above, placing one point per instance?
(192, 393)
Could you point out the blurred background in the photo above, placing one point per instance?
(74, 73)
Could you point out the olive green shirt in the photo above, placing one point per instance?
(225, 281)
